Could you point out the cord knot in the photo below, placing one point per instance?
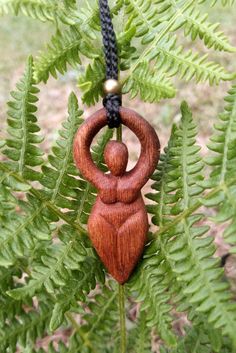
(112, 103)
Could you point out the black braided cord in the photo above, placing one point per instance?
(111, 102)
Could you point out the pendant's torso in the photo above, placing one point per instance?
(118, 232)
(118, 223)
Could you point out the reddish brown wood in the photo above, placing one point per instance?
(118, 223)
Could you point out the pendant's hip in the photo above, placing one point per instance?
(119, 233)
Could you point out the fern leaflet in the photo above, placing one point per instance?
(151, 86)
(139, 337)
(22, 144)
(64, 49)
(43, 10)
(223, 145)
(26, 330)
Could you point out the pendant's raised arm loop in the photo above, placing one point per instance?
(82, 144)
(150, 149)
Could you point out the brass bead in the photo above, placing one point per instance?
(112, 86)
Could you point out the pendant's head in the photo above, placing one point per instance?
(116, 157)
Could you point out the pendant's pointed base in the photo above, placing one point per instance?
(119, 234)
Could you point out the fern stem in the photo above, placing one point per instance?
(123, 342)
(119, 133)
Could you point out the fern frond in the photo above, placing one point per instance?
(139, 339)
(65, 48)
(89, 19)
(223, 164)
(9, 308)
(201, 339)
(37, 9)
(151, 85)
(223, 142)
(7, 203)
(174, 60)
(25, 329)
(79, 196)
(43, 10)
(186, 251)
(155, 277)
(62, 348)
(60, 176)
(78, 285)
(155, 298)
(223, 2)
(157, 22)
(21, 232)
(103, 314)
(196, 25)
(91, 83)
(148, 16)
(97, 317)
(53, 269)
(23, 130)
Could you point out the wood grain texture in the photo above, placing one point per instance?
(118, 223)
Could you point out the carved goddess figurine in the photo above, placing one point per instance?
(118, 223)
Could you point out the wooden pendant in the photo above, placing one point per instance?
(118, 223)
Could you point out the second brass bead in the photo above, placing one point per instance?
(112, 86)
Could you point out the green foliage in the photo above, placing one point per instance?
(150, 86)
(180, 259)
(65, 269)
(101, 317)
(199, 339)
(91, 82)
(196, 25)
(78, 285)
(26, 330)
(222, 161)
(156, 24)
(23, 129)
(60, 176)
(153, 26)
(139, 336)
(43, 10)
(65, 48)
(21, 232)
(223, 2)
(51, 280)
(50, 349)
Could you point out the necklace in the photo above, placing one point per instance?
(118, 223)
